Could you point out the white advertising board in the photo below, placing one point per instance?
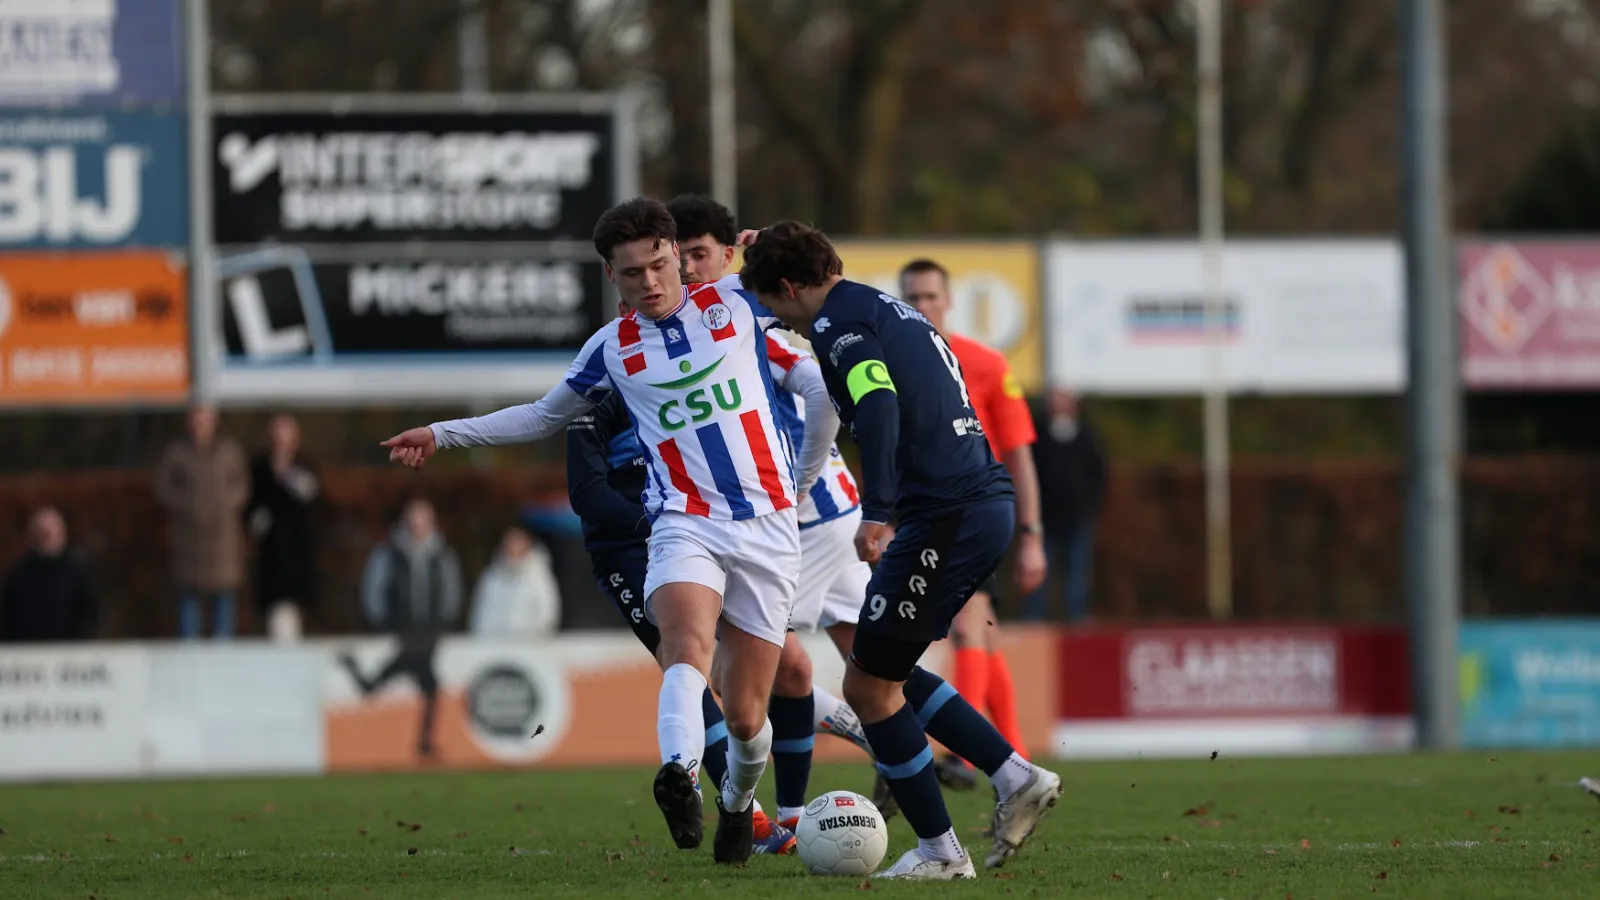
(1302, 317)
(72, 710)
(136, 710)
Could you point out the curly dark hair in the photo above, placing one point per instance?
(630, 221)
(789, 251)
(697, 214)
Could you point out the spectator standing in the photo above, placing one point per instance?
(203, 482)
(411, 589)
(1072, 481)
(284, 488)
(517, 595)
(47, 595)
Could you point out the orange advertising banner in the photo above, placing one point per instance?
(79, 328)
(587, 699)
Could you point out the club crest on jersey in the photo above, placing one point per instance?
(716, 316)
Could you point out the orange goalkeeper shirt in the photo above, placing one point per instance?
(996, 395)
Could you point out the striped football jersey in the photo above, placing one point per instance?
(699, 389)
(834, 493)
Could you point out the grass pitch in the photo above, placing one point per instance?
(1474, 825)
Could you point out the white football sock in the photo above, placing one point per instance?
(785, 813)
(747, 760)
(1011, 776)
(834, 716)
(680, 719)
(944, 847)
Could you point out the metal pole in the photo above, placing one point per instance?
(724, 139)
(472, 48)
(1219, 540)
(1433, 394)
(205, 335)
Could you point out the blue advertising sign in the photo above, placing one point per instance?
(92, 180)
(1530, 684)
(105, 54)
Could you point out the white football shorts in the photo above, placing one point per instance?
(754, 564)
(833, 581)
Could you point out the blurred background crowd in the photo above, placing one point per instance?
(987, 131)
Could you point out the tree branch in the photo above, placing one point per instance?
(1308, 117)
(801, 122)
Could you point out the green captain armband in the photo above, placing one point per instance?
(868, 375)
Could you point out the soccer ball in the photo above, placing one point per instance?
(841, 833)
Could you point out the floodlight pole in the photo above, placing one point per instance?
(204, 331)
(472, 48)
(724, 137)
(1219, 539)
(1433, 392)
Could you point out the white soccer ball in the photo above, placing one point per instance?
(841, 833)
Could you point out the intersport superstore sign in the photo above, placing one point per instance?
(386, 176)
(388, 248)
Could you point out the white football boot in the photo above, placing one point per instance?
(1016, 816)
(914, 867)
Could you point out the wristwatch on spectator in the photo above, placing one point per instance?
(1031, 528)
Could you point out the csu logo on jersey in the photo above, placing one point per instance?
(697, 406)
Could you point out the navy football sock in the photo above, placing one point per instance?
(715, 763)
(793, 734)
(949, 719)
(906, 761)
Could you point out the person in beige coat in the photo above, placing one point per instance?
(203, 482)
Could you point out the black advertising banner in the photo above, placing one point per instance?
(402, 248)
(393, 176)
(294, 328)
(277, 308)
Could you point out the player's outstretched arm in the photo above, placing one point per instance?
(586, 384)
(512, 425)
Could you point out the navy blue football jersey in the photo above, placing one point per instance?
(898, 387)
(606, 477)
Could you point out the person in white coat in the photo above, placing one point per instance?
(517, 595)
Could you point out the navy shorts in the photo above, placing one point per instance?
(620, 573)
(991, 586)
(933, 567)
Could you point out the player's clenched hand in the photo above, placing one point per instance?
(411, 448)
(1030, 568)
(870, 541)
(747, 237)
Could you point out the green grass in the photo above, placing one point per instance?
(1468, 825)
